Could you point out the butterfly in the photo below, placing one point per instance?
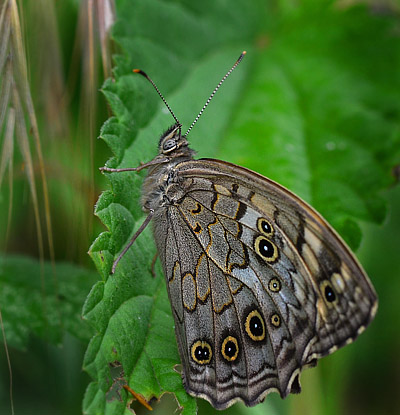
(260, 285)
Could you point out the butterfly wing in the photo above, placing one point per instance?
(260, 285)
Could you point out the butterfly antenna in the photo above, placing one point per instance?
(215, 90)
(159, 93)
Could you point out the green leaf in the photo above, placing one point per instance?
(303, 108)
(315, 114)
(41, 299)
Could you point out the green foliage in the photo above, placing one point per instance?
(313, 106)
(42, 300)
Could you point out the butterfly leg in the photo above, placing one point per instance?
(141, 167)
(138, 397)
(153, 265)
(131, 242)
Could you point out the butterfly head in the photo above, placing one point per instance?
(173, 143)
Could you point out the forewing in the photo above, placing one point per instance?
(242, 244)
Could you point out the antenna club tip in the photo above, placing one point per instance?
(136, 70)
(244, 52)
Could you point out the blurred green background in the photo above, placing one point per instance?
(315, 105)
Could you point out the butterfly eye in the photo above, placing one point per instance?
(255, 326)
(201, 352)
(266, 249)
(274, 285)
(169, 145)
(328, 292)
(230, 348)
(264, 227)
(275, 320)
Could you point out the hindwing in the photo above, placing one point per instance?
(260, 285)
